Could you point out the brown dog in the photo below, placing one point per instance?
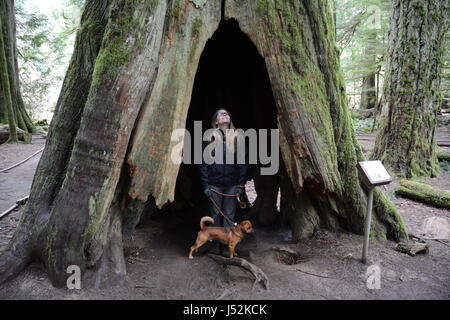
(230, 236)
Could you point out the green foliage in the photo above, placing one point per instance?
(42, 128)
(362, 125)
(361, 35)
(44, 44)
(41, 123)
(444, 165)
(363, 44)
(391, 195)
(444, 161)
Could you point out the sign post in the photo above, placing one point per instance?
(374, 174)
(367, 222)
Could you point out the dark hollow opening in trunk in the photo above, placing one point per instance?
(231, 74)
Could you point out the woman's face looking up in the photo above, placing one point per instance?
(222, 117)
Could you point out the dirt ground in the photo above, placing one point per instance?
(326, 266)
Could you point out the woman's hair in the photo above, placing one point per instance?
(231, 143)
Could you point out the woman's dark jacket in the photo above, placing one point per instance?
(223, 174)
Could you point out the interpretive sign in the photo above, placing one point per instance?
(374, 173)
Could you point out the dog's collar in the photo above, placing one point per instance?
(235, 232)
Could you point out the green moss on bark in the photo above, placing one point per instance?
(196, 25)
(5, 83)
(121, 38)
(403, 142)
(304, 33)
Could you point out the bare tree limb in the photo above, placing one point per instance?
(259, 275)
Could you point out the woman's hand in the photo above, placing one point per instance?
(207, 192)
(239, 190)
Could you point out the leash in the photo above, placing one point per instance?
(218, 209)
(241, 204)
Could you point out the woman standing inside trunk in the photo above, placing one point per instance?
(221, 181)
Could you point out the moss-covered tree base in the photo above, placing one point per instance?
(12, 108)
(406, 141)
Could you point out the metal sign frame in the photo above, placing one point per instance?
(368, 175)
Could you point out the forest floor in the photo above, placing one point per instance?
(328, 264)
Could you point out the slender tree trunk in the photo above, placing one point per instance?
(368, 89)
(5, 84)
(20, 116)
(368, 92)
(129, 84)
(405, 141)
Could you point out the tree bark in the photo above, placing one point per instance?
(5, 84)
(52, 167)
(129, 84)
(368, 89)
(19, 117)
(368, 92)
(406, 141)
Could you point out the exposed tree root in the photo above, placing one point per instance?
(14, 259)
(260, 276)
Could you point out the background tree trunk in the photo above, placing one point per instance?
(130, 83)
(405, 141)
(368, 92)
(11, 91)
(368, 89)
(5, 83)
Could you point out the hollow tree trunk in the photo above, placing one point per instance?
(10, 95)
(266, 187)
(405, 141)
(129, 85)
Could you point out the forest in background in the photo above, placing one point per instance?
(45, 39)
(45, 44)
